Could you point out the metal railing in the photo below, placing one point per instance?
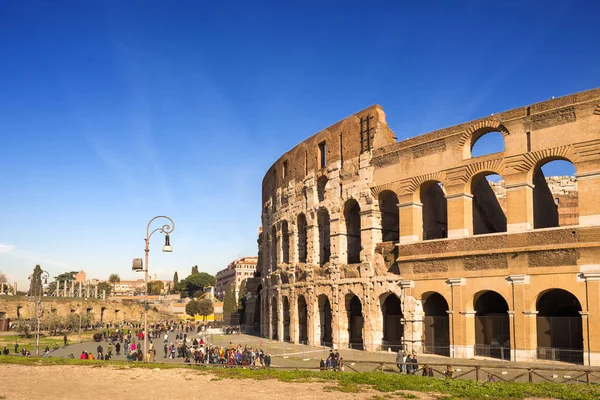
(492, 351)
(563, 355)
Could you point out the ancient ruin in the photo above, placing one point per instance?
(376, 244)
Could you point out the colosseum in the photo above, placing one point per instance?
(375, 244)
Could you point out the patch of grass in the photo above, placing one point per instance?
(351, 382)
(407, 395)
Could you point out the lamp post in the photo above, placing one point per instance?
(37, 301)
(166, 229)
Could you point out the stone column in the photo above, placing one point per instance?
(96, 291)
(57, 289)
(269, 317)
(312, 240)
(292, 243)
(462, 324)
(279, 317)
(72, 289)
(104, 294)
(590, 318)
(310, 302)
(80, 290)
(370, 235)
(15, 289)
(411, 220)
(294, 331)
(337, 239)
(460, 215)
(588, 188)
(520, 336)
(519, 204)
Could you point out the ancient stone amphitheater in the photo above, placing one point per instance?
(376, 244)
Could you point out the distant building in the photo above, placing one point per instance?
(132, 288)
(80, 277)
(236, 273)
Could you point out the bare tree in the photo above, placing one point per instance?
(2, 278)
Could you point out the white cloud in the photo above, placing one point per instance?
(6, 248)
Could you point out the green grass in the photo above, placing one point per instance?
(350, 382)
(29, 342)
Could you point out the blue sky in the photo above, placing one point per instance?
(112, 112)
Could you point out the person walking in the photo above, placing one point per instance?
(65, 340)
(400, 360)
(100, 350)
(118, 348)
(166, 349)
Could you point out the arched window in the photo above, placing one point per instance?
(487, 143)
(488, 208)
(274, 318)
(355, 321)
(321, 187)
(325, 319)
(324, 238)
(555, 199)
(437, 325)
(302, 238)
(388, 206)
(492, 334)
(286, 319)
(559, 327)
(302, 320)
(285, 243)
(273, 248)
(393, 329)
(353, 241)
(435, 211)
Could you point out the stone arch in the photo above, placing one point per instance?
(489, 215)
(552, 208)
(353, 231)
(476, 131)
(559, 326)
(390, 221)
(392, 321)
(354, 312)
(489, 143)
(325, 321)
(102, 310)
(302, 319)
(285, 242)
(436, 327)
(492, 325)
(19, 311)
(435, 210)
(323, 223)
(286, 318)
(274, 318)
(302, 235)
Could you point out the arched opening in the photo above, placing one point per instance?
(487, 143)
(388, 206)
(302, 320)
(437, 326)
(325, 319)
(488, 207)
(257, 305)
(19, 308)
(302, 238)
(274, 318)
(353, 242)
(324, 238)
(355, 322)
(393, 328)
(435, 211)
(321, 188)
(559, 327)
(555, 199)
(492, 327)
(285, 243)
(286, 319)
(102, 314)
(273, 248)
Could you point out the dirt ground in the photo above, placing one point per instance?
(77, 382)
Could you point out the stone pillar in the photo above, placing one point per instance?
(279, 317)
(72, 289)
(269, 319)
(96, 291)
(529, 351)
(519, 205)
(370, 235)
(337, 239)
(15, 289)
(411, 220)
(294, 331)
(310, 302)
(590, 318)
(413, 317)
(335, 316)
(462, 324)
(104, 294)
(588, 187)
(57, 289)
(460, 215)
(292, 243)
(80, 290)
(520, 334)
(312, 240)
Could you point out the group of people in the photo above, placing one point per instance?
(334, 361)
(407, 363)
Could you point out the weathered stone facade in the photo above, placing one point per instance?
(374, 243)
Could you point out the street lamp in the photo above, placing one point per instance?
(166, 229)
(37, 301)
